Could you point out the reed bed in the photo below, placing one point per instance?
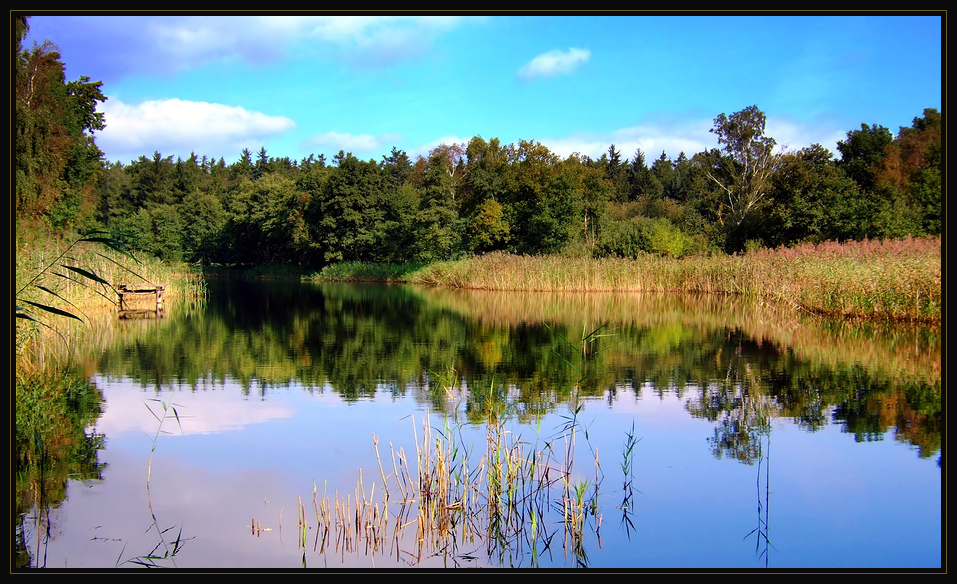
(884, 347)
(892, 280)
(509, 498)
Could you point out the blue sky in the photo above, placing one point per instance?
(301, 84)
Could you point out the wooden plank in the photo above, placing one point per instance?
(124, 290)
(140, 288)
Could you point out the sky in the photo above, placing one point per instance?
(301, 84)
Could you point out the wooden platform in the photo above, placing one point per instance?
(129, 292)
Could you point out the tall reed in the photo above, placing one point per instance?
(504, 499)
(897, 280)
(511, 497)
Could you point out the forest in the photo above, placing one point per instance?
(461, 199)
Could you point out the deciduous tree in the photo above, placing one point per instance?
(744, 165)
(56, 156)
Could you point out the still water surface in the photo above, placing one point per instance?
(719, 435)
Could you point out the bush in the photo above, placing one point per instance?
(663, 238)
(630, 238)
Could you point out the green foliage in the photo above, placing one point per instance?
(911, 167)
(368, 272)
(488, 228)
(544, 210)
(349, 212)
(899, 175)
(56, 157)
(204, 219)
(396, 236)
(621, 239)
(485, 173)
(746, 163)
(485, 196)
(925, 195)
(812, 200)
(439, 233)
(589, 191)
(862, 151)
(661, 237)
(633, 237)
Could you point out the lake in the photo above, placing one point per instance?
(287, 425)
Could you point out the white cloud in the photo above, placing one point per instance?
(791, 136)
(174, 126)
(365, 30)
(355, 143)
(118, 46)
(259, 39)
(198, 414)
(554, 63)
(424, 149)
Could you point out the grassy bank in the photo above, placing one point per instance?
(881, 280)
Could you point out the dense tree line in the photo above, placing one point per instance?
(465, 198)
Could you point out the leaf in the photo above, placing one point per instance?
(54, 310)
(109, 259)
(112, 244)
(88, 274)
(152, 412)
(51, 292)
(21, 312)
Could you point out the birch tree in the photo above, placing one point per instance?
(743, 167)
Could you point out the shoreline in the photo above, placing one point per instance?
(898, 281)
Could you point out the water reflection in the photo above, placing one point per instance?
(291, 381)
(358, 340)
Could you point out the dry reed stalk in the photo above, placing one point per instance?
(497, 501)
(280, 523)
(398, 476)
(385, 484)
(407, 478)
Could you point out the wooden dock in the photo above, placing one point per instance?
(129, 292)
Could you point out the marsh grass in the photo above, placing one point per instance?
(166, 408)
(165, 551)
(893, 280)
(627, 504)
